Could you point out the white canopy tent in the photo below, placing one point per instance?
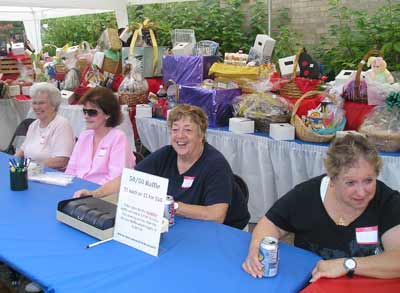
(31, 12)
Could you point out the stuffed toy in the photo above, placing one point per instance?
(309, 68)
(378, 71)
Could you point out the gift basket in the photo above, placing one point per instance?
(321, 123)
(297, 86)
(133, 89)
(355, 90)
(263, 108)
(382, 125)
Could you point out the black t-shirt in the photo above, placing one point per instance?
(302, 212)
(209, 181)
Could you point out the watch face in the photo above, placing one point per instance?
(350, 264)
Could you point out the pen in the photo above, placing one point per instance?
(98, 243)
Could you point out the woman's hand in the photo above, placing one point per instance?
(333, 268)
(82, 192)
(252, 265)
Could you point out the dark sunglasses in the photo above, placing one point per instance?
(90, 112)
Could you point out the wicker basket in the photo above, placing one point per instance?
(356, 90)
(263, 124)
(290, 88)
(302, 131)
(132, 99)
(384, 139)
(111, 66)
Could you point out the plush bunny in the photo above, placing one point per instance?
(378, 71)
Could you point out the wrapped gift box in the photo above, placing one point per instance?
(187, 70)
(216, 103)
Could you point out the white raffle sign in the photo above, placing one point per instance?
(140, 210)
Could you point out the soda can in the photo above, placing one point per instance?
(268, 254)
(169, 210)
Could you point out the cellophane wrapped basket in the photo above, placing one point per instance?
(305, 133)
(133, 88)
(355, 90)
(263, 108)
(382, 128)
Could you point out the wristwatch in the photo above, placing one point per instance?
(350, 265)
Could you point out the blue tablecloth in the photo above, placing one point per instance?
(195, 256)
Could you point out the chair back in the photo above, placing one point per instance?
(21, 130)
(238, 215)
(139, 157)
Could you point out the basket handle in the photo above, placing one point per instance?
(361, 65)
(309, 94)
(296, 62)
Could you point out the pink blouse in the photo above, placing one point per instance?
(112, 155)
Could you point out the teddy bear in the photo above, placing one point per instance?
(378, 71)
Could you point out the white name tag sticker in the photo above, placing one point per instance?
(102, 152)
(187, 181)
(367, 235)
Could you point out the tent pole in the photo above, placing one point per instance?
(269, 16)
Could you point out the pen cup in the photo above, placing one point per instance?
(18, 180)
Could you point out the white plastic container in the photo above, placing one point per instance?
(18, 48)
(281, 131)
(264, 45)
(286, 66)
(241, 125)
(143, 110)
(183, 49)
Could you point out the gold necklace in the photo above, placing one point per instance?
(341, 221)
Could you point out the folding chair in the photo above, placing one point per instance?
(21, 130)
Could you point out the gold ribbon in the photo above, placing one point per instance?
(138, 30)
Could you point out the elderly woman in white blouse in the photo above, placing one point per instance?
(50, 139)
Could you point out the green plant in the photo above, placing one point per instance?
(356, 32)
(287, 39)
(73, 30)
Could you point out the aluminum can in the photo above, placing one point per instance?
(169, 210)
(268, 254)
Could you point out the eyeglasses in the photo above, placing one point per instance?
(90, 112)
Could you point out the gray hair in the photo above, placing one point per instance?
(53, 93)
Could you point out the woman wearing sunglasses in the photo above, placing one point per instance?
(50, 138)
(102, 151)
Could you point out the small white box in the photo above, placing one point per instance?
(143, 110)
(241, 125)
(264, 45)
(18, 48)
(281, 131)
(183, 49)
(286, 65)
(345, 75)
(66, 97)
(14, 90)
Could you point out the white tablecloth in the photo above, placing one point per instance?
(75, 117)
(269, 167)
